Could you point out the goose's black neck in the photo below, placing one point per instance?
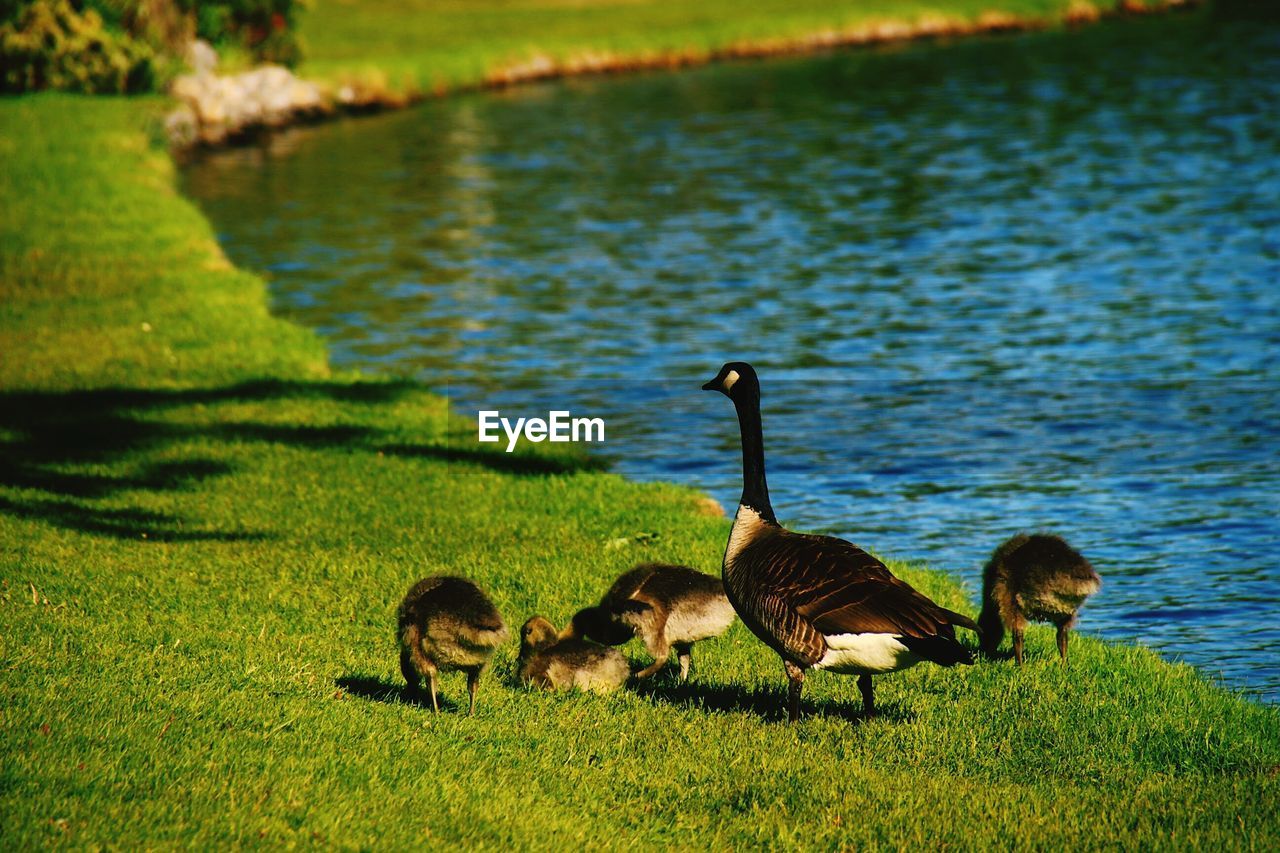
(755, 491)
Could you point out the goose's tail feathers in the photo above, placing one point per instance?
(961, 620)
(944, 651)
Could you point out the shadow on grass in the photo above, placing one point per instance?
(30, 474)
(398, 693)
(58, 442)
(500, 461)
(119, 523)
(768, 704)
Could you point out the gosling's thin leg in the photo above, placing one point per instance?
(661, 652)
(473, 683)
(868, 696)
(795, 678)
(410, 674)
(431, 682)
(685, 656)
(1017, 645)
(1063, 631)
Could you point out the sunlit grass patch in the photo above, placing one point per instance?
(204, 535)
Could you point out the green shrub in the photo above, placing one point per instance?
(166, 25)
(265, 28)
(51, 44)
(122, 46)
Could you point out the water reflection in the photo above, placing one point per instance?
(1005, 283)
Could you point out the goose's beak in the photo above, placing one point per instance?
(713, 385)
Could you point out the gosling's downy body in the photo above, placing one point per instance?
(668, 607)
(554, 664)
(1033, 578)
(446, 624)
(818, 601)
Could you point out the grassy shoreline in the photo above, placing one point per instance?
(204, 533)
(399, 50)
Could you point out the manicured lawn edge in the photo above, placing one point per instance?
(395, 52)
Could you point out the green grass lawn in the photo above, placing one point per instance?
(204, 535)
(429, 44)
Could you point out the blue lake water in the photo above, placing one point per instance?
(1009, 283)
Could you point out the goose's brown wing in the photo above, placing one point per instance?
(809, 586)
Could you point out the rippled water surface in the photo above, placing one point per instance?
(1025, 282)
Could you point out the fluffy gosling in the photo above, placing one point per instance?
(446, 624)
(668, 607)
(554, 664)
(1033, 578)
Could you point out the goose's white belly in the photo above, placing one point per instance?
(865, 654)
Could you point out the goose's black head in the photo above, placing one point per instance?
(734, 379)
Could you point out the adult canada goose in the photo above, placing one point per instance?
(818, 601)
(446, 624)
(555, 664)
(1033, 578)
(669, 607)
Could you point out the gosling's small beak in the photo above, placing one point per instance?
(713, 385)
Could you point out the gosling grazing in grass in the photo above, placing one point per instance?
(818, 601)
(554, 664)
(1033, 578)
(668, 607)
(446, 624)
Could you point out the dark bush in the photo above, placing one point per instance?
(166, 25)
(124, 45)
(53, 45)
(265, 27)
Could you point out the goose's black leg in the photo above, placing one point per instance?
(795, 678)
(868, 696)
(1063, 630)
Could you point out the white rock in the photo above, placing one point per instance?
(202, 58)
(188, 87)
(275, 76)
(182, 127)
(212, 108)
(306, 96)
(222, 106)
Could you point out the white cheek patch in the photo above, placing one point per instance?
(730, 378)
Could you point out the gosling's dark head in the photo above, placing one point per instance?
(585, 623)
(599, 625)
(536, 634)
(734, 380)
